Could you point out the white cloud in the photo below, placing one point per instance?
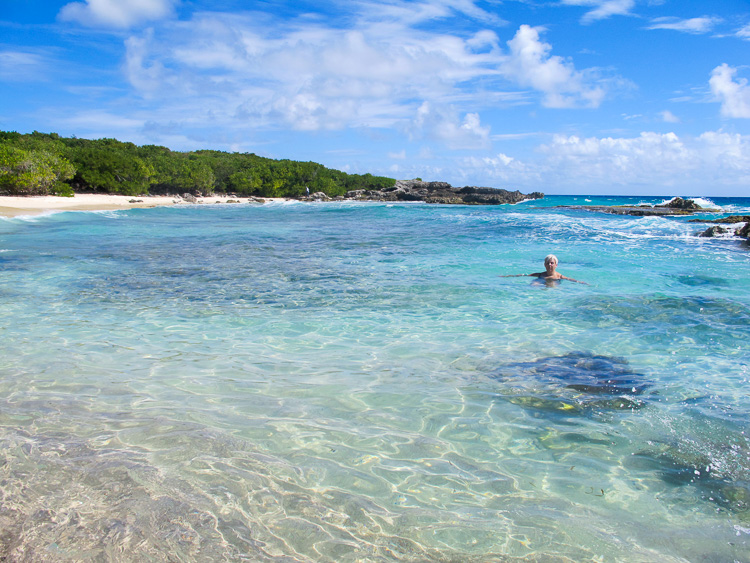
(147, 77)
(649, 162)
(21, 66)
(744, 32)
(668, 117)
(531, 64)
(116, 13)
(424, 11)
(602, 9)
(691, 25)
(312, 76)
(444, 124)
(255, 71)
(500, 169)
(734, 96)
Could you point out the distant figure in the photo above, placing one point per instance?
(308, 190)
(550, 273)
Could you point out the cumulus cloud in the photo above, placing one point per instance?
(734, 96)
(446, 125)
(602, 9)
(649, 161)
(309, 76)
(116, 13)
(254, 70)
(692, 25)
(531, 64)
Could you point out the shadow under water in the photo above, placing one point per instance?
(709, 454)
(574, 383)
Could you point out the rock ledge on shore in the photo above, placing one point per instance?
(676, 206)
(441, 192)
(743, 231)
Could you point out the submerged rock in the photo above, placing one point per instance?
(707, 453)
(575, 382)
(589, 373)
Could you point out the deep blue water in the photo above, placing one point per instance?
(355, 382)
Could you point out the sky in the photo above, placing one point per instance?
(629, 97)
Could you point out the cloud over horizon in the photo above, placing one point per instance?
(650, 159)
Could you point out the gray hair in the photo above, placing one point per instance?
(550, 258)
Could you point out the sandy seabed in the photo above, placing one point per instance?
(13, 206)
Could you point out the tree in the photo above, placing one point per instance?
(24, 172)
(110, 166)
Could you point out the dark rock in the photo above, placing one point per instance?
(731, 219)
(634, 210)
(190, 198)
(441, 192)
(713, 231)
(679, 203)
(318, 196)
(743, 231)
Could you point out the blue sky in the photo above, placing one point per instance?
(647, 97)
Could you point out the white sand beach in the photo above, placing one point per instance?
(12, 206)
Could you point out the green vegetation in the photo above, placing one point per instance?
(41, 163)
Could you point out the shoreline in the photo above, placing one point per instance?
(15, 206)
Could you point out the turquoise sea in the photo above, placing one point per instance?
(345, 382)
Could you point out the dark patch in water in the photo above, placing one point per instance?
(574, 382)
(702, 281)
(688, 312)
(706, 453)
(588, 373)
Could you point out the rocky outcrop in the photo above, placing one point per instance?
(676, 206)
(317, 196)
(713, 231)
(731, 219)
(633, 210)
(441, 192)
(743, 231)
(679, 203)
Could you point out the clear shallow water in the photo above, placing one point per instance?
(353, 382)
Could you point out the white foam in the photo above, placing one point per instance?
(705, 202)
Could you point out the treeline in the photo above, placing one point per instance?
(45, 163)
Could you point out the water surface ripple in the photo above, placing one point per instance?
(354, 382)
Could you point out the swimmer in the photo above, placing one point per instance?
(550, 273)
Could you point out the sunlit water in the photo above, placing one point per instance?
(354, 382)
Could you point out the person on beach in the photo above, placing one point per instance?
(550, 273)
